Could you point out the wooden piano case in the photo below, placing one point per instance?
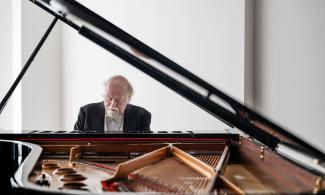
(222, 167)
(255, 169)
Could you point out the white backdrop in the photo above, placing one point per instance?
(6, 70)
(206, 37)
(290, 65)
(41, 86)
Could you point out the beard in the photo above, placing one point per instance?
(113, 113)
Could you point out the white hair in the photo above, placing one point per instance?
(125, 81)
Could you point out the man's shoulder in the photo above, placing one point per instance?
(93, 106)
(137, 109)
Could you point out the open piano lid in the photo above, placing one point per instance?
(151, 62)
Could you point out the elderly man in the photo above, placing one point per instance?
(114, 113)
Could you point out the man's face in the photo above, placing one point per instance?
(116, 98)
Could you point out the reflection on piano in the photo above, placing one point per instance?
(45, 162)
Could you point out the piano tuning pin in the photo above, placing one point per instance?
(72, 164)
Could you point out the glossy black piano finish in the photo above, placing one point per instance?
(9, 164)
(15, 157)
(160, 135)
(16, 162)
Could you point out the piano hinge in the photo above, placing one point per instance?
(208, 96)
(262, 148)
(251, 138)
(318, 185)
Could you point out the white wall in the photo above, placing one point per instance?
(36, 104)
(211, 38)
(206, 37)
(290, 57)
(6, 71)
(41, 86)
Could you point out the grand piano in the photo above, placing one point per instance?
(267, 159)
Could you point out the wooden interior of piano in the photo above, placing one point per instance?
(188, 167)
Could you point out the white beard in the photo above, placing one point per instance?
(113, 114)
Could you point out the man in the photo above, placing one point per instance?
(114, 113)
